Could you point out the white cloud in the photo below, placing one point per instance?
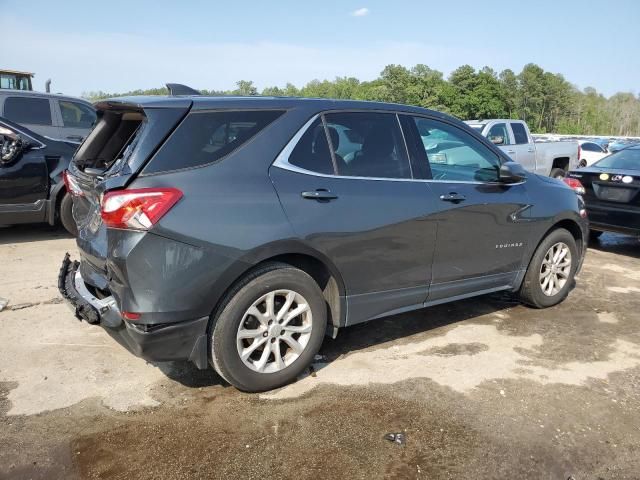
(361, 12)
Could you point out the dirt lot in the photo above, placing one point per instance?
(483, 388)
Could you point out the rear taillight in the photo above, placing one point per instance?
(138, 209)
(575, 185)
(72, 185)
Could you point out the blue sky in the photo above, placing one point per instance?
(118, 45)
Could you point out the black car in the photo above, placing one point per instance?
(32, 188)
(238, 232)
(611, 190)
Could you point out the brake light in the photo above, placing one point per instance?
(575, 185)
(138, 209)
(72, 185)
(131, 316)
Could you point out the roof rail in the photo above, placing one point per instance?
(179, 89)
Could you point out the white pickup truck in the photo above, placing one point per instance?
(553, 159)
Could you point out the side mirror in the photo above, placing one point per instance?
(11, 145)
(512, 172)
(497, 139)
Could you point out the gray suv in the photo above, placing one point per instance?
(50, 115)
(238, 232)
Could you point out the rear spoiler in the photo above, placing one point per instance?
(179, 89)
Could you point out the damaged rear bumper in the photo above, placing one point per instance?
(185, 340)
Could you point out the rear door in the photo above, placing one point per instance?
(482, 229)
(346, 185)
(523, 146)
(34, 113)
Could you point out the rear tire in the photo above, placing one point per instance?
(284, 344)
(66, 215)
(551, 272)
(557, 173)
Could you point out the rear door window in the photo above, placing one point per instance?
(368, 144)
(204, 138)
(519, 133)
(312, 150)
(27, 110)
(77, 115)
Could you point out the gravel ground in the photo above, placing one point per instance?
(482, 388)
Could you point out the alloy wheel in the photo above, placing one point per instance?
(274, 331)
(555, 269)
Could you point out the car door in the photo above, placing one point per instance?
(357, 204)
(523, 146)
(34, 113)
(482, 223)
(76, 119)
(500, 135)
(24, 179)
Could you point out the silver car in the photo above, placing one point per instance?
(48, 114)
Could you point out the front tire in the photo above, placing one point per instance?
(269, 328)
(551, 271)
(66, 215)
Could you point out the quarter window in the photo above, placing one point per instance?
(367, 144)
(519, 133)
(77, 115)
(454, 155)
(27, 110)
(204, 138)
(498, 135)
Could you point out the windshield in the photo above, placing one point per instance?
(628, 159)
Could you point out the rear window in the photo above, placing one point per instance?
(30, 111)
(628, 159)
(204, 138)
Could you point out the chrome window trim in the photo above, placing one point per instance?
(282, 161)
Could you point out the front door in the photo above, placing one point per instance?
(348, 191)
(482, 227)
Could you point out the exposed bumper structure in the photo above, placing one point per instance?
(185, 340)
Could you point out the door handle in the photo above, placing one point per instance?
(75, 138)
(453, 197)
(511, 152)
(531, 150)
(320, 194)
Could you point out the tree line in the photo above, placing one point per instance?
(545, 100)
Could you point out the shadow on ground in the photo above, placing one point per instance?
(31, 233)
(621, 244)
(366, 335)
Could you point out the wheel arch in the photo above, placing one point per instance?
(300, 256)
(55, 198)
(561, 162)
(569, 224)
